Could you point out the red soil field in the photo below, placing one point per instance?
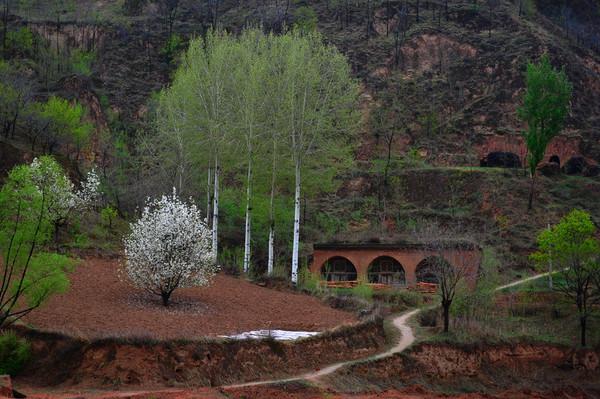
(99, 305)
(304, 392)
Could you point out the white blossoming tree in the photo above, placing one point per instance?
(169, 247)
(62, 197)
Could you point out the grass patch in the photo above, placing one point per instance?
(14, 353)
(530, 316)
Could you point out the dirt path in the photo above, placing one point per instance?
(407, 338)
(522, 281)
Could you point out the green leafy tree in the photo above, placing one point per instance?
(305, 19)
(544, 109)
(318, 104)
(66, 124)
(15, 98)
(81, 61)
(250, 104)
(28, 274)
(571, 245)
(19, 42)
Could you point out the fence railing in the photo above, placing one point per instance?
(428, 288)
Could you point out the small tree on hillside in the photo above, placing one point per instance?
(65, 124)
(169, 247)
(544, 109)
(449, 277)
(571, 245)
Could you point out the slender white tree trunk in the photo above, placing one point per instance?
(271, 251)
(248, 231)
(270, 260)
(296, 244)
(215, 221)
(208, 190)
(550, 282)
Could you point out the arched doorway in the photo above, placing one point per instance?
(430, 269)
(338, 268)
(386, 270)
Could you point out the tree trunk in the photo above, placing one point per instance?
(520, 7)
(583, 328)
(296, 241)
(446, 308)
(270, 260)
(446, 7)
(491, 21)
(531, 191)
(208, 196)
(247, 231)
(550, 282)
(215, 221)
(417, 11)
(5, 30)
(165, 298)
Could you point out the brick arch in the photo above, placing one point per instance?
(421, 273)
(368, 260)
(338, 273)
(395, 275)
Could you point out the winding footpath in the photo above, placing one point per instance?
(407, 338)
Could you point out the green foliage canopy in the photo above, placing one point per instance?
(545, 107)
(67, 121)
(29, 275)
(572, 246)
(260, 96)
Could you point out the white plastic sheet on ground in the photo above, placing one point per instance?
(280, 335)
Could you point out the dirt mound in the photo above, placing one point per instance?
(491, 369)
(66, 361)
(99, 305)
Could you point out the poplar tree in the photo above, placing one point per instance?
(318, 105)
(201, 96)
(252, 102)
(545, 107)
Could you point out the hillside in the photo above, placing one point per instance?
(441, 82)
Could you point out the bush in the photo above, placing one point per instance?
(347, 302)
(363, 290)
(81, 62)
(305, 19)
(429, 317)
(134, 7)
(108, 214)
(14, 353)
(230, 260)
(401, 298)
(281, 271)
(173, 45)
(20, 41)
(308, 281)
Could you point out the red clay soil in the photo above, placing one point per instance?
(99, 305)
(415, 392)
(300, 391)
